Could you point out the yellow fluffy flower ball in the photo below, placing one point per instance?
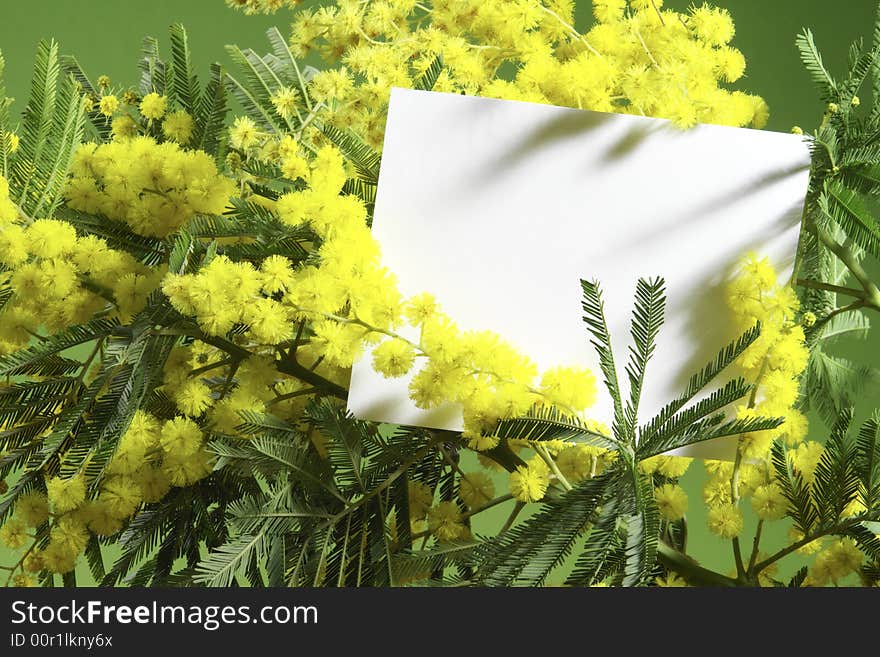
(476, 489)
(108, 105)
(769, 503)
(725, 520)
(66, 494)
(153, 106)
(13, 534)
(528, 483)
(393, 358)
(178, 126)
(672, 501)
(444, 521)
(32, 508)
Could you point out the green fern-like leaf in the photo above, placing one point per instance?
(798, 579)
(867, 462)
(699, 381)
(211, 114)
(286, 60)
(345, 447)
(224, 563)
(832, 382)
(5, 125)
(602, 555)
(836, 483)
(153, 70)
(51, 129)
(709, 429)
(850, 212)
(180, 259)
(148, 250)
(802, 508)
(642, 530)
(364, 158)
(860, 66)
(549, 423)
(29, 360)
(95, 559)
(414, 568)
(254, 87)
(812, 60)
(37, 124)
(100, 124)
(672, 431)
(866, 540)
(184, 83)
(526, 554)
(594, 317)
(428, 79)
(647, 319)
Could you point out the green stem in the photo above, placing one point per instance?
(290, 395)
(312, 115)
(20, 562)
(645, 48)
(86, 366)
(734, 487)
(37, 336)
(291, 367)
(211, 366)
(227, 384)
(855, 305)
(24, 216)
(755, 543)
(464, 516)
(296, 339)
(369, 328)
(659, 14)
(390, 479)
(799, 251)
(451, 461)
(737, 557)
(572, 31)
(848, 258)
(545, 456)
(692, 572)
(828, 287)
(806, 540)
(512, 517)
(488, 505)
(734, 478)
(421, 353)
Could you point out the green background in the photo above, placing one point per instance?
(105, 36)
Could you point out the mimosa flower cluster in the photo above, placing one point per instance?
(151, 457)
(638, 57)
(58, 279)
(153, 188)
(774, 363)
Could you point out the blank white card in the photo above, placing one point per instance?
(499, 208)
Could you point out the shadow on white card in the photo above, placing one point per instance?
(499, 208)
